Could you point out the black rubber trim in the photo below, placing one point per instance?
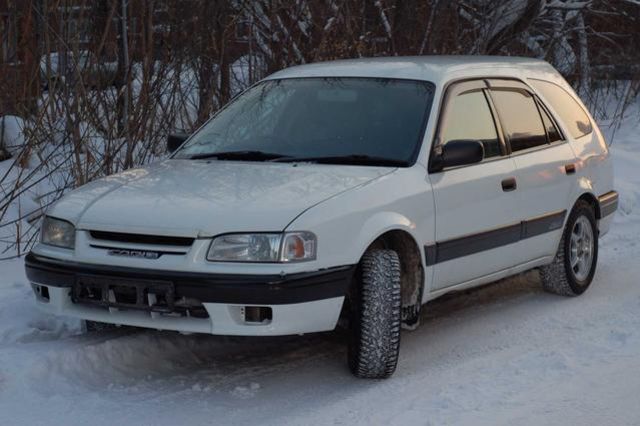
(208, 288)
(608, 203)
(494, 238)
(542, 224)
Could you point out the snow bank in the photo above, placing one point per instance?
(19, 323)
(625, 148)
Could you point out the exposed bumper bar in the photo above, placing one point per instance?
(207, 288)
(608, 204)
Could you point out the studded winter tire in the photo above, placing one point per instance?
(375, 303)
(574, 265)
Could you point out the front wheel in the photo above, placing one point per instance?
(574, 265)
(375, 303)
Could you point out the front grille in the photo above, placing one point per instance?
(120, 237)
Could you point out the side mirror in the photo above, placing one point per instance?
(175, 140)
(458, 153)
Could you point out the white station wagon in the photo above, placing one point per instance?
(348, 192)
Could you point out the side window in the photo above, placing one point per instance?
(520, 117)
(469, 117)
(571, 113)
(552, 131)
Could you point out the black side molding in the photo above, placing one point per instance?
(608, 203)
(494, 238)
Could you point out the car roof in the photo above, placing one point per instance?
(434, 68)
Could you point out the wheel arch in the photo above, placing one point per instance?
(585, 190)
(590, 198)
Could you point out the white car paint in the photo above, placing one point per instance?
(455, 191)
(347, 207)
(209, 199)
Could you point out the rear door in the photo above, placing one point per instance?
(545, 166)
(477, 212)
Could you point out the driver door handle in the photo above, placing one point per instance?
(509, 184)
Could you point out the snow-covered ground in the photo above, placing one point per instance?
(504, 354)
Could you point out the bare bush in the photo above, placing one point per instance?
(92, 88)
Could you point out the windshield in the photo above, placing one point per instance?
(318, 119)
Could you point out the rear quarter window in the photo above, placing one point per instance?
(571, 113)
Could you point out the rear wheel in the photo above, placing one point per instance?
(574, 265)
(375, 302)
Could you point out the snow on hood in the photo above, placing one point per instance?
(206, 198)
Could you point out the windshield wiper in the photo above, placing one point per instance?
(355, 159)
(246, 155)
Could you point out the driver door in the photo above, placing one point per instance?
(477, 214)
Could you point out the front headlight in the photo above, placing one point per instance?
(261, 248)
(59, 233)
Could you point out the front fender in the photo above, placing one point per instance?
(381, 223)
(348, 223)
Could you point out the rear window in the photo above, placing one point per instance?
(521, 119)
(571, 113)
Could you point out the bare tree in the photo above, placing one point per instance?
(99, 84)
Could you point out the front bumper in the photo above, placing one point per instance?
(300, 303)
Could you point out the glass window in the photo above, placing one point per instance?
(321, 117)
(469, 118)
(571, 113)
(520, 117)
(552, 131)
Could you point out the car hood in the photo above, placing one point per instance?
(206, 198)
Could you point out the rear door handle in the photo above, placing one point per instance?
(570, 168)
(509, 184)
